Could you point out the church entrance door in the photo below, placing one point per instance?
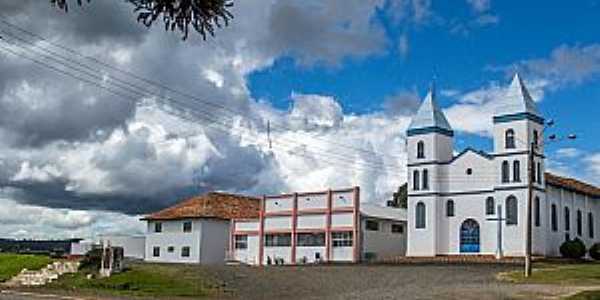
(469, 236)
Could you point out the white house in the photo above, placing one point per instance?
(133, 246)
(329, 226)
(196, 230)
(453, 199)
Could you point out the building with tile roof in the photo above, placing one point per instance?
(476, 202)
(196, 230)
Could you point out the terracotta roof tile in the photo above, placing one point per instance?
(211, 205)
(573, 185)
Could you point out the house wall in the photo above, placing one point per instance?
(133, 246)
(214, 241)
(383, 242)
(208, 241)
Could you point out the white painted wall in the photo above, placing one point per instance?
(133, 246)
(312, 221)
(278, 223)
(249, 255)
(383, 243)
(342, 220)
(210, 249)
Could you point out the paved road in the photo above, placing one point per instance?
(11, 295)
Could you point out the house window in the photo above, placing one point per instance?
(372, 225)
(185, 251)
(341, 239)
(425, 179)
(420, 149)
(516, 171)
(554, 218)
(537, 219)
(420, 215)
(539, 173)
(311, 239)
(416, 180)
(156, 251)
(489, 206)
(509, 142)
(171, 249)
(398, 228)
(240, 242)
(512, 211)
(567, 219)
(579, 223)
(505, 172)
(187, 226)
(278, 240)
(158, 227)
(591, 225)
(450, 208)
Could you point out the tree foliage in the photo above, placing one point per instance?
(203, 16)
(595, 251)
(401, 196)
(574, 249)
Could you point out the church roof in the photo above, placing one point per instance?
(517, 100)
(573, 185)
(429, 116)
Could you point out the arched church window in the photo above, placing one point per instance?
(591, 225)
(425, 179)
(509, 141)
(533, 172)
(416, 176)
(579, 223)
(539, 173)
(450, 208)
(505, 172)
(554, 218)
(516, 171)
(489, 206)
(420, 149)
(512, 210)
(567, 219)
(420, 215)
(535, 138)
(537, 216)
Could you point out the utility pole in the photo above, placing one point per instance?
(529, 229)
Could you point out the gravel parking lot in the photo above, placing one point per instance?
(463, 282)
(377, 282)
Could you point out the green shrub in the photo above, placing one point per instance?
(574, 249)
(595, 251)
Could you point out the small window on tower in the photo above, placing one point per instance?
(420, 149)
(469, 171)
(509, 142)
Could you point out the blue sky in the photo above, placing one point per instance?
(462, 57)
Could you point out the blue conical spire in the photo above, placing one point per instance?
(517, 100)
(429, 117)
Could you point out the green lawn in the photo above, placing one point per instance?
(581, 274)
(589, 295)
(12, 264)
(154, 280)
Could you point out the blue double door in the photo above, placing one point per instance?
(469, 236)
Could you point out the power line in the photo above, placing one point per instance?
(365, 165)
(154, 83)
(132, 88)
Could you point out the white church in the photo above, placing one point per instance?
(455, 201)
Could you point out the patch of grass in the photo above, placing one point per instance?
(145, 280)
(558, 273)
(12, 264)
(587, 295)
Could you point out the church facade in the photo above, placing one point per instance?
(476, 202)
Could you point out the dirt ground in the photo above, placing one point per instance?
(379, 282)
(465, 282)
